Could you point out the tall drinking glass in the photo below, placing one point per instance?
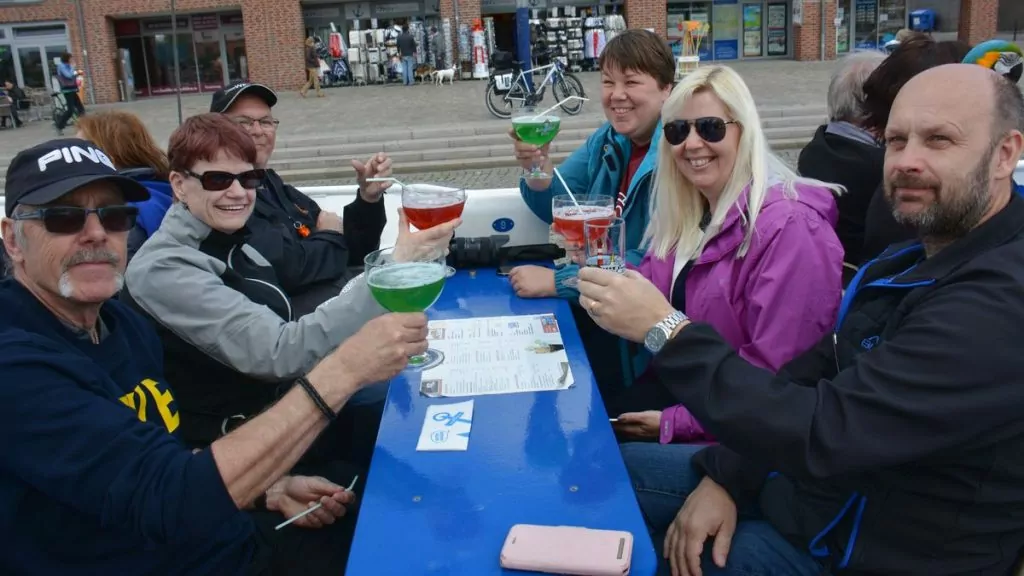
(410, 284)
(568, 218)
(429, 205)
(538, 129)
(605, 244)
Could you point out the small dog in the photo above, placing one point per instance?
(424, 71)
(440, 75)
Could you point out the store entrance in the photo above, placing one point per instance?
(505, 32)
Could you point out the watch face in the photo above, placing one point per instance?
(655, 339)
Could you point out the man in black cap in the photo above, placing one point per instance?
(90, 458)
(288, 226)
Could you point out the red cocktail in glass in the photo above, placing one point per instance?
(568, 217)
(429, 205)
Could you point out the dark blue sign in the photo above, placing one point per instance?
(503, 224)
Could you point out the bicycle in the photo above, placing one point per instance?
(502, 91)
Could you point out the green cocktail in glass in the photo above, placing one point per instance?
(537, 127)
(408, 283)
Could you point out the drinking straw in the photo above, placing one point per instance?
(566, 186)
(317, 507)
(538, 116)
(395, 180)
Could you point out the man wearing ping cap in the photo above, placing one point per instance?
(93, 478)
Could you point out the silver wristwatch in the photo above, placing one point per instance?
(659, 335)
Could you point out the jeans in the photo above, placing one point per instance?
(408, 69)
(663, 477)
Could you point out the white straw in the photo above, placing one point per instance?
(395, 180)
(313, 509)
(537, 117)
(566, 186)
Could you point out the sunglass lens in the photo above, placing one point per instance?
(251, 179)
(118, 218)
(676, 132)
(217, 181)
(710, 129)
(64, 220)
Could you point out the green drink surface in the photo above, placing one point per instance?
(407, 286)
(537, 132)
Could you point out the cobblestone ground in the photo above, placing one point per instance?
(492, 178)
(365, 110)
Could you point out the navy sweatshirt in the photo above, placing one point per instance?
(93, 479)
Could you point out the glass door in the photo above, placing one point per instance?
(209, 61)
(753, 30)
(843, 29)
(234, 50)
(33, 72)
(53, 53)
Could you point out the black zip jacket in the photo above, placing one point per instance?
(313, 268)
(896, 445)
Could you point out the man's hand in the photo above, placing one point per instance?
(708, 511)
(294, 494)
(533, 282)
(645, 424)
(626, 305)
(411, 246)
(329, 221)
(378, 166)
(381, 348)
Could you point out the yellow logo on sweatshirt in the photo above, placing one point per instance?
(138, 399)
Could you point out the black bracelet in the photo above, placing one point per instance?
(316, 398)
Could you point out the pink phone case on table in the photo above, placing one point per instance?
(567, 550)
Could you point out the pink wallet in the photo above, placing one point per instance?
(567, 550)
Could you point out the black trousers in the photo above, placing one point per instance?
(306, 551)
(74, 106)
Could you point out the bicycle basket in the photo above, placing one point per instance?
(502, 60)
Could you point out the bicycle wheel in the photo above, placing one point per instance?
(566, 86)
(500, 105)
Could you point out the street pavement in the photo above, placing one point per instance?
(359, 112)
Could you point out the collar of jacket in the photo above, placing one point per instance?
(189, 230)
(615, 155)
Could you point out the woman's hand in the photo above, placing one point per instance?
(626, 305)
(412, 246)
(292, 495)
(645, 424)
(533, 282)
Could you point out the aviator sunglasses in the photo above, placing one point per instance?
(710, 129)
(217, 180)
(71, 219)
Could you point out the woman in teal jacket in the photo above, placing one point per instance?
(637, 74)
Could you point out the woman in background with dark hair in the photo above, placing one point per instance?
(135, 153)
(913, 56)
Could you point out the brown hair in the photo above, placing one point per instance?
(640, 51)
(912, 57)
(202, 137)
(124, 138)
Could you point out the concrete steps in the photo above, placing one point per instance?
(467, 146)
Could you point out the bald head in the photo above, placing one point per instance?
(952, 143)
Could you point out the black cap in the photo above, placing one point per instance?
(44, 173)
(225, 97)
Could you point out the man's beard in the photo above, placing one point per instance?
(65, 285)
(958, 207)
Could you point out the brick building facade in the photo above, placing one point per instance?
(273, 31)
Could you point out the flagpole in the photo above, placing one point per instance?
(174, 47)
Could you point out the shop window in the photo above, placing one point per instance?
(238, 64)
(7, 72)
(159, 56)
(29, 31)
(134, 46)
(32, 67)
(208, 57)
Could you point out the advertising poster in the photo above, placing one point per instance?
(752, 38)
(726, 23)
(778, 30)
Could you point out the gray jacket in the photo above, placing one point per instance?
(180, 280)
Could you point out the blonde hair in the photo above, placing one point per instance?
(677, 207)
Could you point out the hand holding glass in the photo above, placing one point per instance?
(407, 286)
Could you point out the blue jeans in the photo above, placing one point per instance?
(408, 69)
(662, 479)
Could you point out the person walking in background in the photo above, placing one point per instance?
(407, 49)
(67, 77)
(312, 70)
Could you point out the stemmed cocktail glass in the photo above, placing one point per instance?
(429, 205)
(568, 217)
(538, 130)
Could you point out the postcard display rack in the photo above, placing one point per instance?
(560, 35)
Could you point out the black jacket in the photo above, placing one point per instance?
(858, 167)
(314, 267)
(898, 441)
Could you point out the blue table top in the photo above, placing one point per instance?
(547, 458)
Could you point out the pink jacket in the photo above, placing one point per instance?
(772, 304)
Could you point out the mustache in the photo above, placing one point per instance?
(904, 180)
(92, 256)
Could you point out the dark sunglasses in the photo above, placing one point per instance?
(71, 219)
(710, 129)
(217, 180)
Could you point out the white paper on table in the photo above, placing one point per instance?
(497, 355)
(446, 427)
